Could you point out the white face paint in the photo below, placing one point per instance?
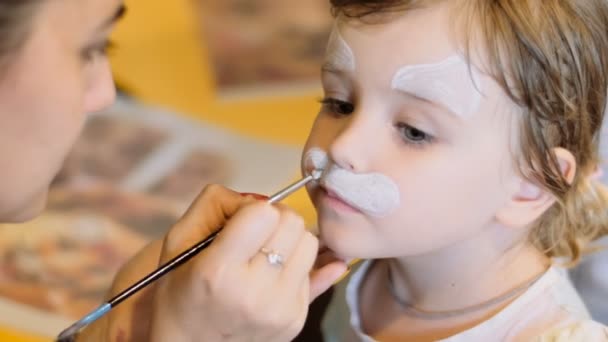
(315, 159)
(450, 83)
(372, 193)
(339, 56)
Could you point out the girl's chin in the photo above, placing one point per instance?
(335, 248)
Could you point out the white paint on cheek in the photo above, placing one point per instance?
(450, 83)
(339, 55)
(372, 193)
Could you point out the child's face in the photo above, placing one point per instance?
(419, 150)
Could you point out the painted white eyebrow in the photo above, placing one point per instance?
(338, 56)
(450, 83)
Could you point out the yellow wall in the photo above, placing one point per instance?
(159, 59)
(7, 335)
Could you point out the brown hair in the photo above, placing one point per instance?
(15, 20)
(551, 58)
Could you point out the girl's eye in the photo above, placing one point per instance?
(98, 50)
(412, 135)
(338, 106)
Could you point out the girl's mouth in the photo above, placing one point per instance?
(334, 201)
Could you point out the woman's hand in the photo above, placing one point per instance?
(232, 291)
(229, 291)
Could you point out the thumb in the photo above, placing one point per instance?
(323, 278)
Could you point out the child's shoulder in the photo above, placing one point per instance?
(583, 331)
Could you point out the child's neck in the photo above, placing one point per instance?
(468, 273)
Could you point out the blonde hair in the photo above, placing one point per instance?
(551, 58)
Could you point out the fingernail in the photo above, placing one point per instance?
(256, 196)
(349, 267)
(352, 262)
(344, 275)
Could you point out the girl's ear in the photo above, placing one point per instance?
(531, 200)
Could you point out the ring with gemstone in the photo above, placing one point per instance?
(274, 258)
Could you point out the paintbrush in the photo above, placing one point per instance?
(67, 334)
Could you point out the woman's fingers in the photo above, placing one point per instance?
(323, 278)
(236, 286)
(245, 234)
(214, 205)
(279, 248)
(298, 267)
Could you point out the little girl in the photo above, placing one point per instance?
(459, 139)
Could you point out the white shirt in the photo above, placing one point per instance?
(552, 295)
